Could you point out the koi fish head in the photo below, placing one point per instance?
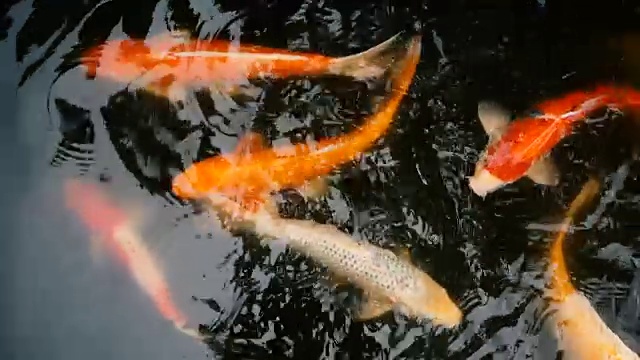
(495, 121)
(211, 175)
(515, 149)
(484, 182)
(433, 302)
(243, 174)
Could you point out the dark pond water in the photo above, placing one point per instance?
(56, 303)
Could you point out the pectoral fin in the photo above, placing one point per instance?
(270, 207)
(180, 34)
(403, 253)
(372, 307)
(250, 143)
(165, 86)
(235, 89)
(242, 214)
(494, 119)
(544, 172)
(338, 280)
(173, 36)
(315, 188)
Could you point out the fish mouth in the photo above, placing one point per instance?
(484, 183)
(452, 319)
(182, 187)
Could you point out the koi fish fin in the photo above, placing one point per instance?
(544, 172)
(337, 279)
(177, 94)
(269, 206)
(194, 333)
(494, 119)
(165, 87)
(374, 61)
(170, 37)
(242, 214)
(403, 253)
(180, 34)
(234, 88)
(372, 307)
(249, 90)
(250, 143)
(315, 188)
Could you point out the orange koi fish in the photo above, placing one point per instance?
(580, 331)
(521, 147)
(167, 64)
(252, 172)
(113, 226)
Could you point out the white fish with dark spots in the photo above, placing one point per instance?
(389, 280)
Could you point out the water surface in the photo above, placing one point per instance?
(410, 190)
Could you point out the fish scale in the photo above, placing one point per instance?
(362, 263)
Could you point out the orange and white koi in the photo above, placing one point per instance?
(169, 63)
(114, 229)
(521, 147)
(252, 172)
(580, 331)
(389, 280)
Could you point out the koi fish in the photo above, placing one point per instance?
(169, 63)
(252, 172)
(116, 232)
(580, 331)
(389, 279)
(521, 147)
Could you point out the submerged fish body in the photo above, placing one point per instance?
(169, 63)
(580, 331)
(116, 232)
(521, 147)
(582, 334)
(254, 171)
(388, 280)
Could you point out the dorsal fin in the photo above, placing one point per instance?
(372, 307)
(250, 143)
(494, 118)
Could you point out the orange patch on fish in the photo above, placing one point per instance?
(252, 172)
(173, 63)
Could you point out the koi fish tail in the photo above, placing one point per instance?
(194, 333)
(560, 281)
(372, 62)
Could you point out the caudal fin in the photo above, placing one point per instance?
(560, 282)
(372, 62)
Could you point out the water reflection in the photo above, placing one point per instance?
(411, 190)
